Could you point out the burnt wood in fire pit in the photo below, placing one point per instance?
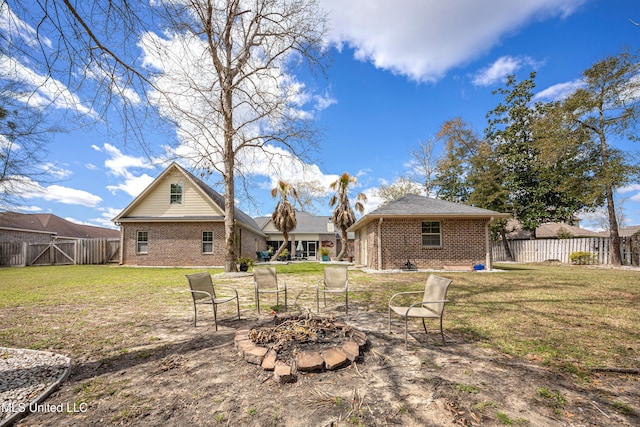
(304, 342)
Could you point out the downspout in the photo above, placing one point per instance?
(121, 261)
(487, 245)
(380, 244)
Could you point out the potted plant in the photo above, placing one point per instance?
(324, 251)
(245, 263)
(283, 255)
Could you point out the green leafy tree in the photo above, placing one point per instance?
(343, 216)
(544, 173)
(460, 145)
(284, 214)
(487, 189)
(608, 107)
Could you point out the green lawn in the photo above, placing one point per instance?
(569, 318)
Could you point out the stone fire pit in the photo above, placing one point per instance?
(300, 343)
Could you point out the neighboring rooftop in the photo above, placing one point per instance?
(549, 230)
(54, 224)
(627, 231)
(305, 223)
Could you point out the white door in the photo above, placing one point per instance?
(311, 250)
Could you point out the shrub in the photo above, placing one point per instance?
(563, 233)
(582, 258)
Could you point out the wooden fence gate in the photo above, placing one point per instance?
(60, 252)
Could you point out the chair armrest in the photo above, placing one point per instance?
(426, 302)
(202, 292)
(405, 293)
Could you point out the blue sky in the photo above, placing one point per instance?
(400, 69)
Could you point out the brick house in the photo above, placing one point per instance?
(178, 220)
(430, 233)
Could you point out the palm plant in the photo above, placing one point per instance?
(284, 215)
(343, 216)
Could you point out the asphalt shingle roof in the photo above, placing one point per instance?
(415, 205)
(54, 224)
(412, 204)
(305, 223)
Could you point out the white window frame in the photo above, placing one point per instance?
(142, 246)
(176, 194)
(430, 234)
(207, 242)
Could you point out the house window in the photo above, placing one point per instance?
(143, 242)
(176, 194)
(431, 235)
(207, 242)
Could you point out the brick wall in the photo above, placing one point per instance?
(462, 242)
(180, 244)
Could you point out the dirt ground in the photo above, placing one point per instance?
(193, 376)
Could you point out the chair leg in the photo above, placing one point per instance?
(238, 307)
(442, 332)
(195, 315)
(406, 331)
(215, 315)
(317, 301)
(285, 300)
(346, 302)
(424, 325)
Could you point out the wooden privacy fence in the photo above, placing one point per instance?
(541, 250)
(60, 252)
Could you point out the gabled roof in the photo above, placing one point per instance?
(627, 231)
(412, 205)
(306, 223)
(53, 224)
(209, 193)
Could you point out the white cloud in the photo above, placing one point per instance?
(324, 101)
(46, 91)
(119, 163)
(56, 171)
(500, 69)
(12, 26)
(423, 39)
(26, 209)
(26, 188)
(558, 91)
(132, 185)
(634, 188)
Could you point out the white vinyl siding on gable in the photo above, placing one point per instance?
(157, 203)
